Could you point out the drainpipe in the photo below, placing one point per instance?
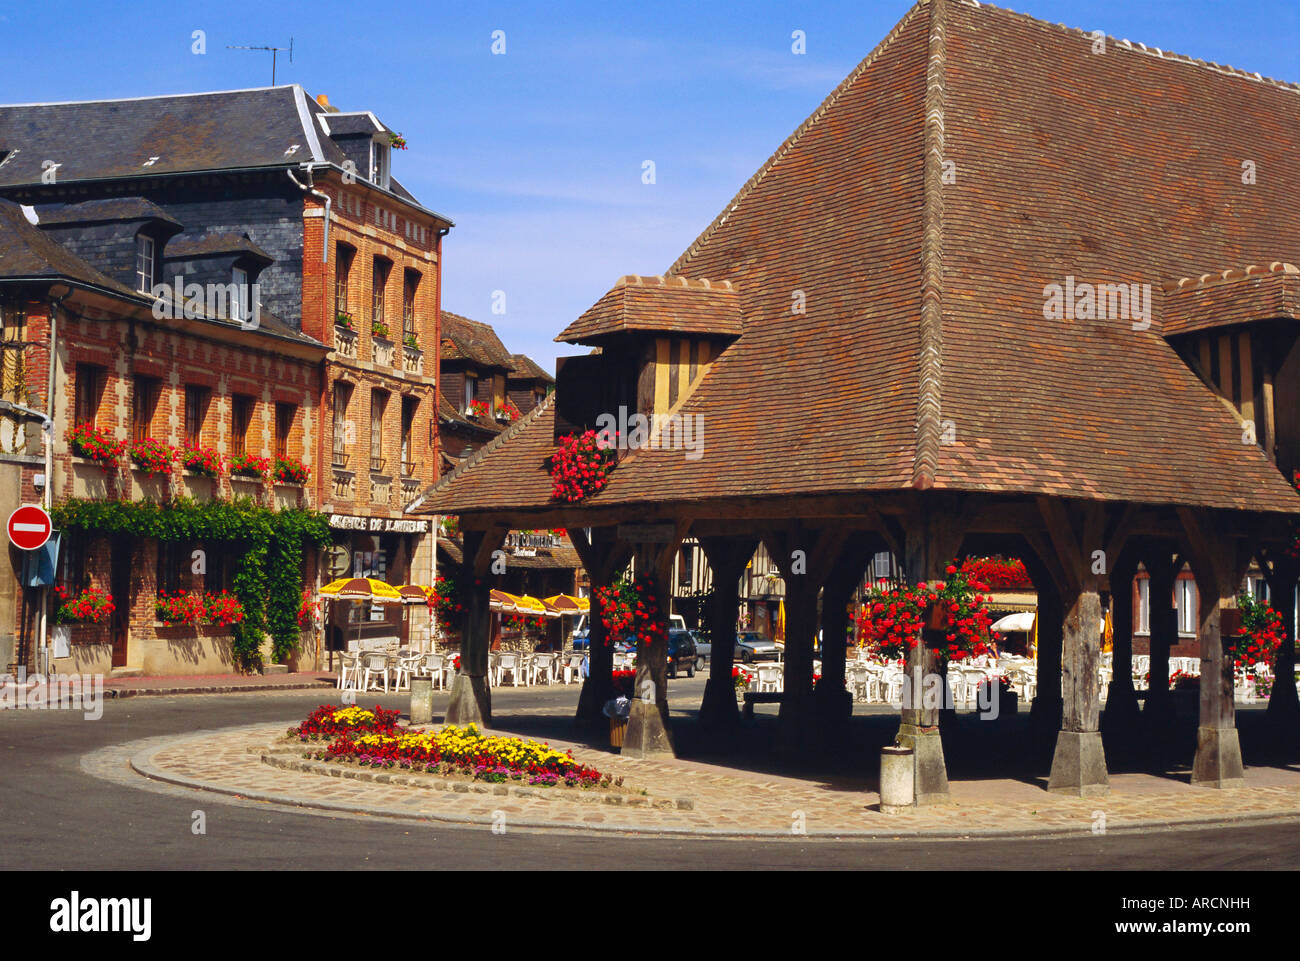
(309, 188)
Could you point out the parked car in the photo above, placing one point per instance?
(703, 650)
(752, 646)
(580, 639)
(681, 653)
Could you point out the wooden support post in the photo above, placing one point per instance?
(603, 556)
(649, 734)
(1079, 760)
(930, 542)
(834, 702)
(1218, 565)
(471, 692)
(1164, 634)
(727, 560)
(1045, 712)
(1282, 572)
(1122, 711)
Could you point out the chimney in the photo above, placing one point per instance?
(324, 101)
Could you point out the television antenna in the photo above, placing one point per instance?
(273, 50)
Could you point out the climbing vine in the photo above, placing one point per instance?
(268, 581)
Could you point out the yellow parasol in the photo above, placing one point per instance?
(361, 589)
(567, 604)
(526, 604)
(501, 601)
(414, 594)
(779, 633)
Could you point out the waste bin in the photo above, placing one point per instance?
(897, 779)
(617, 728)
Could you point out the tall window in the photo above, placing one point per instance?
(342, 274)
(196, 409)
(378, 281)
(145, 259)
(72, 562)
(343, 436)
(378, 401)
(171, 556)
(471, 388)
(241, 419)
(284, 415)
(409, 407)
(89, 388)
(411, 282)
(1185, 601)
(144, 402)
(1144, 605)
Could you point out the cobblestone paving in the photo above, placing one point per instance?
(725, 801)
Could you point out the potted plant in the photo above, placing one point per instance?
(89, 607)
(580, 467)
(153, 457)
(343, 319)
(410, 341)
(379, 329)
(248, 465)
(290, 470)
(201, 460)
(478, 408)
(95, 445)
(396, 141)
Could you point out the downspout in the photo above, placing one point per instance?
(309, 188)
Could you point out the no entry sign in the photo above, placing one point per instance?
(29, 527)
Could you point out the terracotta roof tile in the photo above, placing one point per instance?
(673, 304)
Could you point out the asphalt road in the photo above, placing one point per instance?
(55, 816)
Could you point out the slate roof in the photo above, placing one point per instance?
(109, 210)
(657, 304)
(975, 157)
(1234, 296)
(28, 253)
(474, 341)
(524, 367)
(209, 245)
(266, 127)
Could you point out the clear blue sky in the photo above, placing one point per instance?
(537, 155)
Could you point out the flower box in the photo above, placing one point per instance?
(204, 461)
(289, 470)
(153, 457)
(249, 467)
(95, 445)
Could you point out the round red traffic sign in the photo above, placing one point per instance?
(29, 527)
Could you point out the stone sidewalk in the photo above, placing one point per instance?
(711, 800)
(116, 687)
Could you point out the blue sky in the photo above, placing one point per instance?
(537, 154)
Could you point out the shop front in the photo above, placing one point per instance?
(388, 549)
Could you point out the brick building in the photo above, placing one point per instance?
(264, 187)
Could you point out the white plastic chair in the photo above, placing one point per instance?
(573, 668)
(349, 669)
(769, 678)
(375, 669)
(542, 669)
(508, 663)
(435, 666)
(405, 669)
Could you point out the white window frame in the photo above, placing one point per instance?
(471, 391)
(239, 307)
(1144, 605)
(379, 160)
(1186, 602)
(146, 262)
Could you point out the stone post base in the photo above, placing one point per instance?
(421, 700)
(718, 708)
(931, 771)
(647, 732)
(471, 701)
(1079, 765)
(1218, 758)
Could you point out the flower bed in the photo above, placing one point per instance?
(89, 607)
(330, 721)
(372, 739)
(153, 456)
(96, 445)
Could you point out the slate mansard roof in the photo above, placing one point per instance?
(266, 127)
(974, 158)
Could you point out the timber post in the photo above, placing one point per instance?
(471, 691)
(727, 559)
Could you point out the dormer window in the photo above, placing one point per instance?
(146, 259)
(379, 160)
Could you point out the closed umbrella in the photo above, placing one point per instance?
(1024, 621)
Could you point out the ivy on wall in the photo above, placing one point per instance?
(268, 581)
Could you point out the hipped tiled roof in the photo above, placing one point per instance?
(27, 253)
(923, 211)
(525, 368)
(474, 341)
(1234, 296)
(659, 304)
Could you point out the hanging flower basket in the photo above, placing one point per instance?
(630, 610)
(893, 620)
(580, 467)
(1262, 632)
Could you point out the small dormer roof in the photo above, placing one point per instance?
(672, 304)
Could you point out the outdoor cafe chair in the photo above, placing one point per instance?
(770, 678)
(573, 667)
(508, 663)
(406, 668)
(435, 665)
(375, 669)
(349, 668)
(542, 668)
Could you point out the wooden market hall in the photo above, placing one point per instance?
(1004, 292)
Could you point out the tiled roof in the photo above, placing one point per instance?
(922, 213)
(1232, 297)
(524, 367)
(669, 304)
(471, 340)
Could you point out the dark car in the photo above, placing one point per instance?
(681, 653)
(580, 640)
